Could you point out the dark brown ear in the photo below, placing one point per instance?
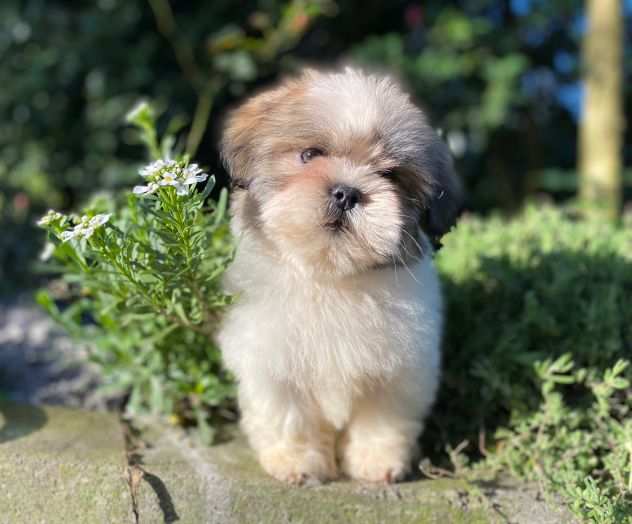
(446, 200)
(241, 130)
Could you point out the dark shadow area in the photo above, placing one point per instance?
(135, 460)
(164, 498)
(19, 420)
(42, 365)
(503, 317)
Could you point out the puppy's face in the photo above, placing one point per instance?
(337, 171)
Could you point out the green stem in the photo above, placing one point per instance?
(200, 119)
(166, 24)
(629, 447)
(177, 210)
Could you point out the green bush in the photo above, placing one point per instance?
(143, 286)
(539, 319)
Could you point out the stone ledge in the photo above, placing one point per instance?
(67, 466)
(235, 489)
(61, 465)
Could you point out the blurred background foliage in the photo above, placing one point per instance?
(500, 78)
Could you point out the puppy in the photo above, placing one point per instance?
(340, 187)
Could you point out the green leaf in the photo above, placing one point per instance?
(210, 184)
(220, 209)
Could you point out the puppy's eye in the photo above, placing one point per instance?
(387, 173)
(310, 153)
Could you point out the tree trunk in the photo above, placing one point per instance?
(601, 127)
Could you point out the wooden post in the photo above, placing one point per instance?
(601, 127)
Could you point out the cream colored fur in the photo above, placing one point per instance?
(320, 362)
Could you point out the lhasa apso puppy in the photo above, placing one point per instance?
(341, 187)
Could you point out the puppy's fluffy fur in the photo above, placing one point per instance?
(335, 335)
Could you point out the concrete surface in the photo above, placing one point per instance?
(60, 465)
(224, 483)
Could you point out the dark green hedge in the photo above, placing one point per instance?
(538, 286)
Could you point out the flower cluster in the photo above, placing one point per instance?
(159, 173)
(86, 226)
(169, 173)
(50, 218)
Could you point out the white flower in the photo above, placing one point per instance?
(181, 187)
(86, 227)
(169, 179)
(191, 170)
(87, 232)
(50, 217)
(146, 190)
(100, 219)
(155, 168)
(67, 235)
(195, 179)
(192, 174)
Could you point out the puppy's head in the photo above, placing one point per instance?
(337, 171)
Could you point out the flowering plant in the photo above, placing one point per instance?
(141, 275)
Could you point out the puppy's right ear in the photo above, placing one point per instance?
(446, 201)
(240, 137)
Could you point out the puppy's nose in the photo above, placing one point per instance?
(345, 197)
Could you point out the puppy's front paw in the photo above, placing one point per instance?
(372, 463)
(298, 465)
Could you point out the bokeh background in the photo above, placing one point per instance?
(502, 79)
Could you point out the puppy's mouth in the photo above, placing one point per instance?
(336, 219)
(336, 225)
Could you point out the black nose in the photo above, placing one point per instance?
(345, 197)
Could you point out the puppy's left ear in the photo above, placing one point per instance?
(446, 200)
(242, 133)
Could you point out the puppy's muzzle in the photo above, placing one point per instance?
(344, 197)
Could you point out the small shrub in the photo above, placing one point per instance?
(143, 280)
(581, 448)
(537, 351)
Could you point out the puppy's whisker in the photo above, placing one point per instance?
(403, 261)
(395, 268)
(406, 217)
(408, 269)
(416, 242)
(411, 257)
(414, 200)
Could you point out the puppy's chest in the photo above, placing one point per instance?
(333, 335)
(328, 315)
